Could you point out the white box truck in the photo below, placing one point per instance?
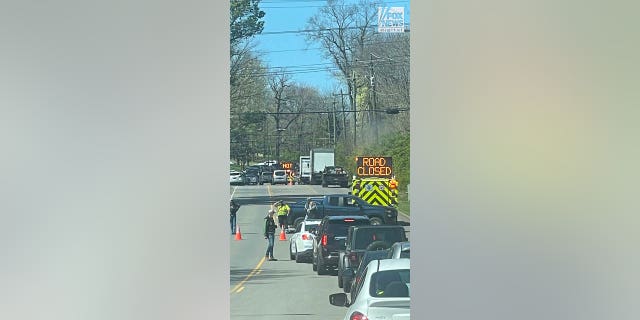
(305, 169)
(320, 158)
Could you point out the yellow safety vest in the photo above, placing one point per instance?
(283, 209)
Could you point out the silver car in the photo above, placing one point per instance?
(279, 176)
(399, 250)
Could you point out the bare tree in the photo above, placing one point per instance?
(342, 30)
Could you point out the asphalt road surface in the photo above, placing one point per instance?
(283, 289)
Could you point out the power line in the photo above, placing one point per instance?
(369, 42)
(318, 30)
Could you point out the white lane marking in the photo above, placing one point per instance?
(234, 191)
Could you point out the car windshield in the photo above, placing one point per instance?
(366, 236)
(390, 283)
(340, 227)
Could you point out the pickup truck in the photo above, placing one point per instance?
(342, 204)
(361, 239)
(334, 175)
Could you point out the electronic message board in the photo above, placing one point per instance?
(287, 166)
(374, 167)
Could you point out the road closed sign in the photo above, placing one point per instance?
(374, 167)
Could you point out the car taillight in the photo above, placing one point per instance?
(358, 316)
(305, 236)
(324, 240)
(349, 220)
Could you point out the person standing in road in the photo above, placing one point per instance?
(311, 207)
(269, 234)
(232, 216)
(283, 212)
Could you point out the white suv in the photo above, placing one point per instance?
(279, 176)
(383, 292)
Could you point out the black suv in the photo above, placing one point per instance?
(330, 239)
(361, 239)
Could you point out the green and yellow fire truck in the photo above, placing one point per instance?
(374, 182)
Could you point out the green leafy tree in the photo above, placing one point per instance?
(245, 20)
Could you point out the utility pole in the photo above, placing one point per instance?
(278, 129)
(334, 121)
(355, 108)
(374, 102)
(344, 116)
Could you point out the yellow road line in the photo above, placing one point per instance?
(253, 272)
(240, 289)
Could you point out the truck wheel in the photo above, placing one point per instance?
(322, 270)
(346, 287)
(375, 221)
(298, 257)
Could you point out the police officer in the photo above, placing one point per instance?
(269, 234)
(232, 216)
(283, 211)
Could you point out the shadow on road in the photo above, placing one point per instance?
(403, 223)
(237, 275)
(267, 200)
(272, 315)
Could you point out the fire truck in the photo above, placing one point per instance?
(374, 182)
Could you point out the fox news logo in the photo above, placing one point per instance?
(390, 19)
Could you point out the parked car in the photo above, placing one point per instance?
(356, 277)
(329, 240)
(361, 239)
(399, 250)
(383, 294)
(266, 177)
(301, 242)
(279, 176)
(252, 176)
(236, 178)
(343, 204)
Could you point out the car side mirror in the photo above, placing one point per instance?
(338, 299)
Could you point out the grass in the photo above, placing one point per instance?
(403, 202)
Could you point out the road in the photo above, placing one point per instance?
(280, 289)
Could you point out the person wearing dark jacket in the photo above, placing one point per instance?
(232, 216)
(269, 234)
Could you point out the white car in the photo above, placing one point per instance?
(236, 177)
(301, 242)
(383, 292)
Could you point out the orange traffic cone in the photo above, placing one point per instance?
(283, 237)
(238, 234)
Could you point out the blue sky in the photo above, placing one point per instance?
(290, 50)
